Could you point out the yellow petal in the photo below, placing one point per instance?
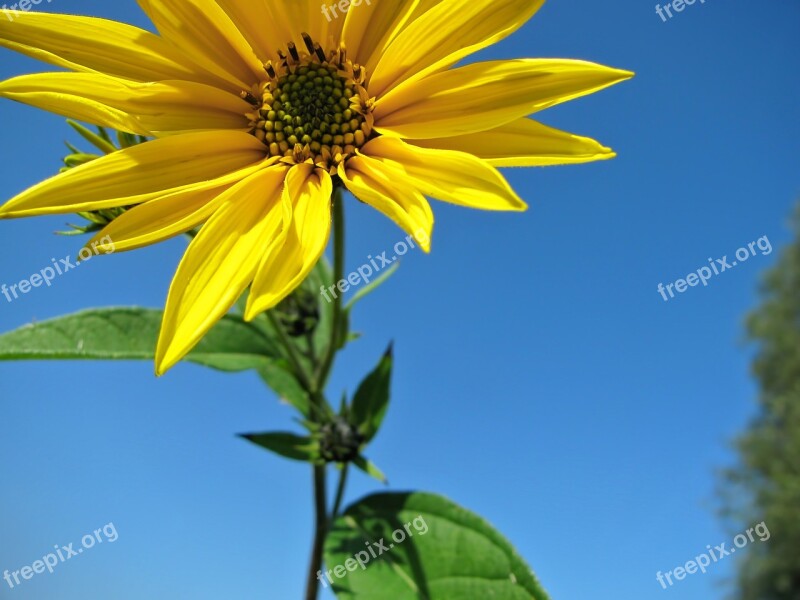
(257, 21)
(370, 28)
(448, 175)
(486, 95)
(42, 92)
(143, 108)
(307, 16)
(158, 220)
(444, 35)
(143, 172)
(91, 44)
(220, 263)
(202, 30)
(523, 143)
(270, 25)
(293, 255)
(376, 183)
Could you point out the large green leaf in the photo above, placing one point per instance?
(131, 334)
(426, 548)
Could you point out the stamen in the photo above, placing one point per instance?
(309, 42)
(320, 54)
(293, 52)
(249, 97)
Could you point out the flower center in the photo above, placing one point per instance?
(312, 107)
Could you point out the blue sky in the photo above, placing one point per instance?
(540, 378)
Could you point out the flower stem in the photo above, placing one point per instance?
(337, 504)
(291, 352)
(338, 274)
(316, 387)
(321, 529)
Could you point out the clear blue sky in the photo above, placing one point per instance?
(540, 381)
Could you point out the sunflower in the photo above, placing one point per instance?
(259, 110)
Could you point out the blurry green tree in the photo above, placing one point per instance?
(767, 476)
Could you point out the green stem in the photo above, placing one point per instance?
(318, 401)
(320, 531)
(291, 351)
(338, 274)
(337, 504)
(312, 353)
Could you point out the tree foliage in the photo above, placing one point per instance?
(769, 451)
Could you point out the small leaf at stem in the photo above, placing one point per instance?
(371, 399)
(371, 287)
(370, 469)
(288, 445)
(101, 142)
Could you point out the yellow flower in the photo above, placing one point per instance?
(259, 108)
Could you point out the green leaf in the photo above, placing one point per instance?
(126, 140)
(279, 377)
(261, 322)
(321, 277)
(104, 133)
(371, 399)
(101, 142)
(435, 550)
(72, 148)
(370, 469)
(131, 334)
(80, 229)
(75, 160)
(372, 286)
(286, 444)
(344, 330)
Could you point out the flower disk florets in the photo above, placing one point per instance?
(312, 108)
